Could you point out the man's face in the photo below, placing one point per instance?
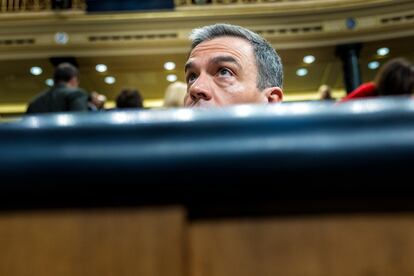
(222, 71)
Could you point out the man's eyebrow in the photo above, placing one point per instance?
(215, 60)
(220, 59)
(188, 65)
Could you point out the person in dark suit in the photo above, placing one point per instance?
(65, 95)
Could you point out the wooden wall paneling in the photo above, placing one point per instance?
(331, 246)
(147, 242)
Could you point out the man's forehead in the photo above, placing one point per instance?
(237, 47)
(223, 43)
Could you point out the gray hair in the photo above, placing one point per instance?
(269, 65)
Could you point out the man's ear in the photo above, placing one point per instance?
(273, 94)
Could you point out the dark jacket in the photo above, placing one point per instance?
(59, 98)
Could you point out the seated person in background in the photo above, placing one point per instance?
(65, 94)
(96, 101)
(396, 77)
(129, 99)
(325, 92)
(228, 65)
(174, 94)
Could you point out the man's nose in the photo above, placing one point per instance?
(201, 89)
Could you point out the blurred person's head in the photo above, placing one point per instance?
(325, 92)
(174, 94)
(98, 100)
(228, 65)
(67, 74)
(396, 77)
(129, 98)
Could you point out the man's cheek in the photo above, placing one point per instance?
(186, 99)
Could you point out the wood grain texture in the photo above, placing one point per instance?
(308, 246)
(102, 242)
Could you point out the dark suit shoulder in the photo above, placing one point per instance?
(39, 102)
(59, 99)
(76, 99)
(69, 91)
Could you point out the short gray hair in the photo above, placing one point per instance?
(269, 65)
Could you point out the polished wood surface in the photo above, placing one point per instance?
(161, 241)
(326, 245)
(103, 242)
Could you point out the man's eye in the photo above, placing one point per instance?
(191, 78)
(225, 72)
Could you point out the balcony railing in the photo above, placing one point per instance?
(8, 6)
(189, 3)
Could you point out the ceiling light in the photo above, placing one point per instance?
(171, 78)
(110, 80)
(302, 72)
(36, 70)
(169, 65)
(49, 82)
(373, 65)
(383, 51)
(309, 59)
(101, 68)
